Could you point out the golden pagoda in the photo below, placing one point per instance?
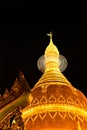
(52, 104)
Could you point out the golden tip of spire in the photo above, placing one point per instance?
(50, 35)
(51, 47)
(51, 56)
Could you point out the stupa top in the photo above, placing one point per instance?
(54, 98)
(51, 48)
(52, 59)
(51, 56)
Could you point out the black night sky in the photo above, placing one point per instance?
(23, 40)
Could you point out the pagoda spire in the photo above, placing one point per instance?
(51, 56)
(52, 73)
(50, 35)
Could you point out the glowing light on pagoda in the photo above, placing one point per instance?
(57, 104)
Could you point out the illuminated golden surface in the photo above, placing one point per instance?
(51, 56)
(54, 108)
(56, 104)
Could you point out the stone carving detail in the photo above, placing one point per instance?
(35, 102)
(18, 119)
(81, 119)
(42, 115)
(61, 99)
(52, 114)
(78, 103)
(18, 123)
(34, 117)
(75, 117)
(43, 99)
(44, 89)
(7, 96)
(5, 125)
(71, 116)
(13, 121)
(52, 99)
(62, 114)
(16, 87)
(70, 100)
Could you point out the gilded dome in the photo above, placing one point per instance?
(56, 104)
